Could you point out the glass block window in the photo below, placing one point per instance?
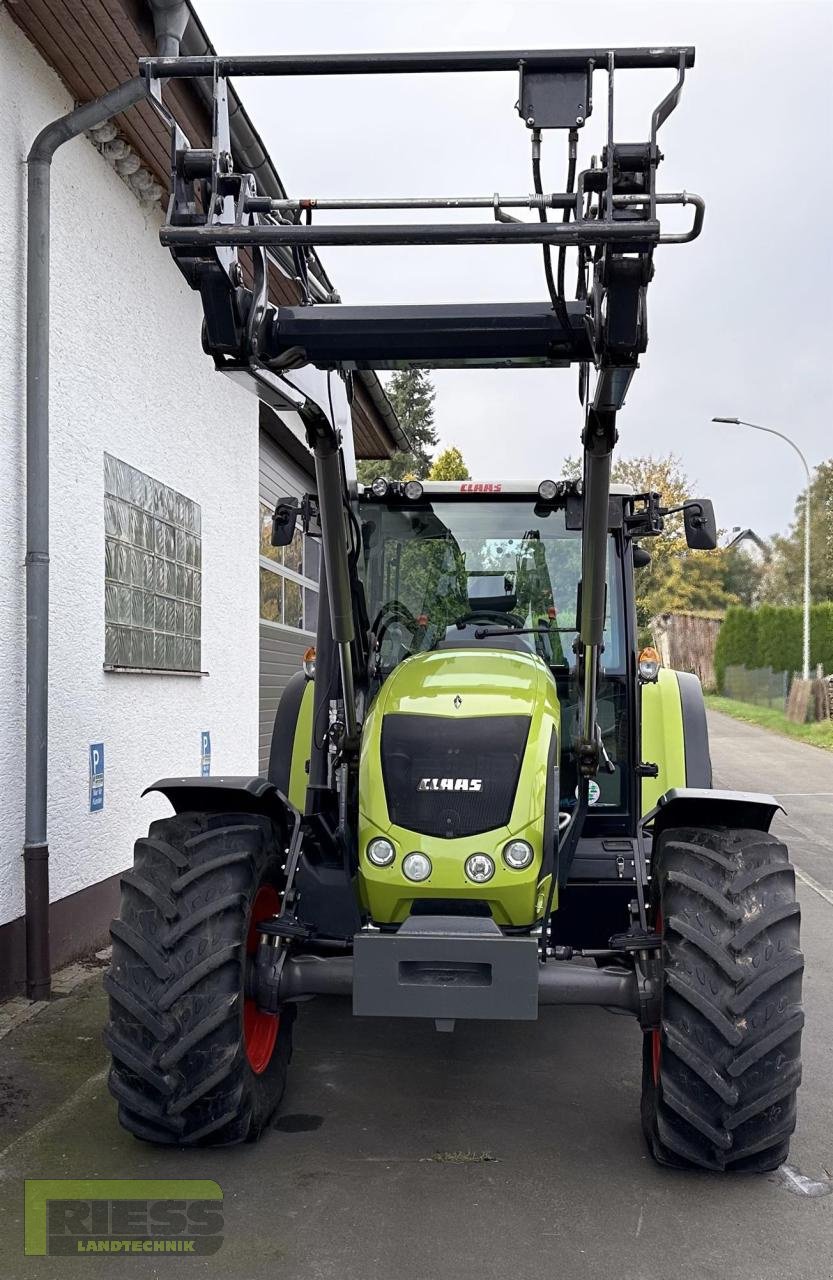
(152, 573)
(288, 578)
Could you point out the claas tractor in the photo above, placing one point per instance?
(483, 798)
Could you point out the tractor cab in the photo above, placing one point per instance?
(448, 566)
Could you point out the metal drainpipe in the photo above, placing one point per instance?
(35, 847)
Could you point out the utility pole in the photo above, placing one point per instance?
(739, 422)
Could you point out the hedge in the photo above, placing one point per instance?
(772, 636)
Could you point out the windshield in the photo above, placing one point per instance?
(439, 573)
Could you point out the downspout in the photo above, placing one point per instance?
(39, 167)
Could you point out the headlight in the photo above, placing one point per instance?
(413, 490)
(379, 488)
(547, 490)
(381, 852)
(649, 663)
(480, 868)
(518, 854)
(417, 866)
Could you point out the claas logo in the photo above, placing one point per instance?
(450, 784)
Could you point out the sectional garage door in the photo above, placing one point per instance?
(288, 587)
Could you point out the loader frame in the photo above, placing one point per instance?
(302, 359)
(610, 208)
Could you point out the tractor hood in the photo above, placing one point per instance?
(461, 683)
(459, 756)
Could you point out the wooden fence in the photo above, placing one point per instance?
(686, 642)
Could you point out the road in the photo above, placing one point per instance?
(498, 1150)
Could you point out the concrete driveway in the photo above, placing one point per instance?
(500, 1150)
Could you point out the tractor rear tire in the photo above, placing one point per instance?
(195, 1063)
(720, 1075)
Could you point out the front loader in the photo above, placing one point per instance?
(482, 797)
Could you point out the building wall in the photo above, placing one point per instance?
(128, 377)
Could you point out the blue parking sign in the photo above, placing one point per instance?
(96, 776)
(205, 753)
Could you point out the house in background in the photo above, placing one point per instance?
(174, 625)
(749, 544)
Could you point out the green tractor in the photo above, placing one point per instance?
(482, 797)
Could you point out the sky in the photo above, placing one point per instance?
(739, 321)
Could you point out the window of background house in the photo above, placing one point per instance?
(288, 578)
(153, 573)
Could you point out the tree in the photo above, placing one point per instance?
(449, 465)
(677, 580)
(411, 394)
(784, 578)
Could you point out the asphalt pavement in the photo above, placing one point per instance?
(499, 1150)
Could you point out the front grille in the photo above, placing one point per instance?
(451, 778)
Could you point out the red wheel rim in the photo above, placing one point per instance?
(656, 1042)
(260, 1030)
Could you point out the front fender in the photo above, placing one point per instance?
(702, 807)
(240, 794)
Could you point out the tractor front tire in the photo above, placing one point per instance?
(720, 1075)
(194, 1062)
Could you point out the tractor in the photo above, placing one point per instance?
(483, 797)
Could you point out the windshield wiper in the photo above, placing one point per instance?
(483, 633)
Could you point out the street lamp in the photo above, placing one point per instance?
(739, 422)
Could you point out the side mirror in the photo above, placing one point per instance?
(700, 524)
(641, 557)
(284, 521)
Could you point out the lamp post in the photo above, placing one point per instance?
(739, 422)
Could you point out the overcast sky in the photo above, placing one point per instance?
(739, 321)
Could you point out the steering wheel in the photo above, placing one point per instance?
(493, 615)
(391, 612)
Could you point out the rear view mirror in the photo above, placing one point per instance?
(284, 521)
(700, 524)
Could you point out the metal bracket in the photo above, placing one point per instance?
(555, 100)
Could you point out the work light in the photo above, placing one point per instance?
(648, 665)
(417, 866)
(518, 854)
(413, 491)
(480, 868)
(381, 852)
(379, 488)
(547, 490)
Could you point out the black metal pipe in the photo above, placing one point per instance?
(35, 847)
(325, 668)
(345, 64)
(328, 479)
(426, 334)
(552, 200)
(598, 439)
(558, 983)
(317, 976)
(562, 982)
(568, 233)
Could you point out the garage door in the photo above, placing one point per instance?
(288, 587)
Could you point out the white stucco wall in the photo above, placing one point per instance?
(128, 376)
